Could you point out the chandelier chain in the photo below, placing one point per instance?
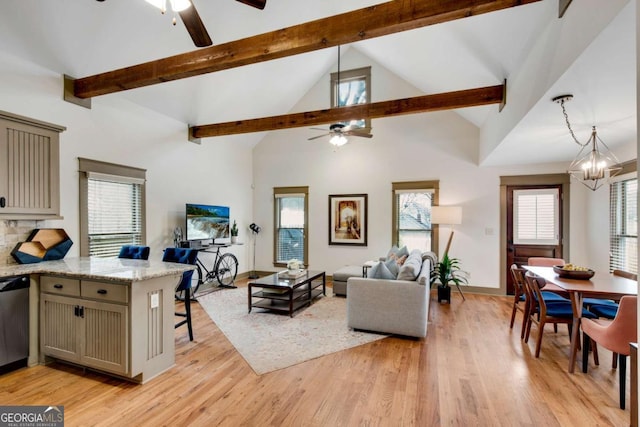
(566, 119)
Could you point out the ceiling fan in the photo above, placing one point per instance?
(339, 133)
(191, 19)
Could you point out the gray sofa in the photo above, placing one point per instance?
(390, 306)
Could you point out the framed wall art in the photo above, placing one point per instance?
(348, 219)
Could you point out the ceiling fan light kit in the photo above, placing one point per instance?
(176, 5)
(595, 163)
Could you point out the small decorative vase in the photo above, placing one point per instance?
(444, 293)
(234, 240)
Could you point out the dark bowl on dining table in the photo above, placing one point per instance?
(573, 274)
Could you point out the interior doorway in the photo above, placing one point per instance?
(534, 220)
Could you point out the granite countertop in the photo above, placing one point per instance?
(112, 269)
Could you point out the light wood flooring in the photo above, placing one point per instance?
(470, 370)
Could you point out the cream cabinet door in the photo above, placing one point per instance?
(29, 171)
(60, 327)
(105, 336)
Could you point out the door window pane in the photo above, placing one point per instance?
(536, 217)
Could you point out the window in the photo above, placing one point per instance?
(412, 203)
(624, 225)
(536, 217)
(354, 88)
(112, 208)
(290, 224)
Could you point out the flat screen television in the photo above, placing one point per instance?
(206, 222)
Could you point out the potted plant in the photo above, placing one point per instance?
(234, 232)
(447, 271)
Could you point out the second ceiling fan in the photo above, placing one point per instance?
(191, 19)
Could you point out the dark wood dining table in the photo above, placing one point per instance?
(601, 285)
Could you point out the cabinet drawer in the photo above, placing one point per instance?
(105, 291)
(60, 285)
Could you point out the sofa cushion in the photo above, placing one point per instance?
(342, 274)
(393, 267)
(380, 271)
(411, 267)
(425, 273)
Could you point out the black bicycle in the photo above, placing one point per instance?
(224, 270)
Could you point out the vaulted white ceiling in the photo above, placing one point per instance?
(589, 53)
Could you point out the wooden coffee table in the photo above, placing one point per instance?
(280, 293)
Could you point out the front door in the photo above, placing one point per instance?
(534, 224)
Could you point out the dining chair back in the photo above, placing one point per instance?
(183, 256)
(519, 297)
(614, 335)
(625, 274)
(545, 262)
(549, 262)
(545, 309)
(134, 252)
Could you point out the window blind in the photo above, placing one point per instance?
(536, 217)
(114, 216)
(623, 217)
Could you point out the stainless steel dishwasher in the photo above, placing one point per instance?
(14, 322)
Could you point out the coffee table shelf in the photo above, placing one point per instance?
(286, 295)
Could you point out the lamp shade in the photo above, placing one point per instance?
(448, 215)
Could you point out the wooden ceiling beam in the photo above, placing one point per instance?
(419, 104)
(374, 21)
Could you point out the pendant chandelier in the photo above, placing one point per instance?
(595, 164)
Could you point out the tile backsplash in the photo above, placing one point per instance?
(11, 233)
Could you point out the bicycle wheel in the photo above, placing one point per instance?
(196, 280)
(227, 269)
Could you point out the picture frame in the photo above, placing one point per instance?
(348, 219)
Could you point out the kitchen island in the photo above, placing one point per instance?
(109, 314)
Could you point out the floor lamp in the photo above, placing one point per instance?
(255, 229)
(447, 215)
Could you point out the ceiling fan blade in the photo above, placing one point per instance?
(194, 25)
(260, 4)
(326, 130)
(317, 137)
(357, 133)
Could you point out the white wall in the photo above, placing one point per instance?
(116, 130)
(426, 146)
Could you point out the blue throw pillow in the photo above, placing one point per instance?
(403, 251)
(392, 265)
(380, 271)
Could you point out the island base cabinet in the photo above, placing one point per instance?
(125, 329)
(91, 333)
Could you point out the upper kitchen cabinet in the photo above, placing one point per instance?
(29, 168)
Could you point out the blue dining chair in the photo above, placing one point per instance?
(183, 256)
(543, 311)
(134, 252)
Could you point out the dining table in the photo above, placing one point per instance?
(601, 285)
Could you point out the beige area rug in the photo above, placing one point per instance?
(270, 341)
